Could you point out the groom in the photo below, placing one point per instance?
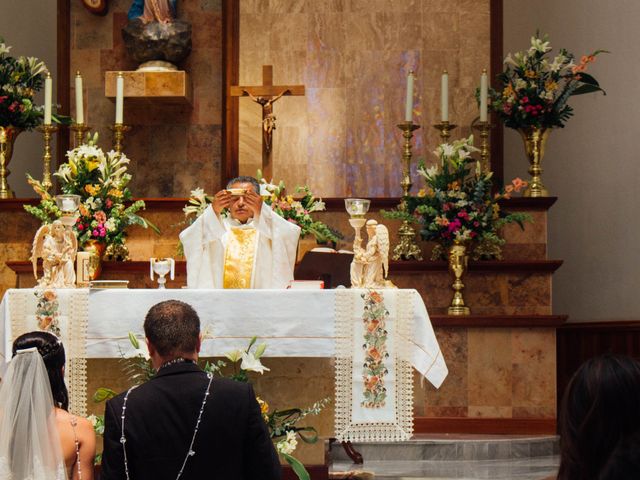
(182, 423)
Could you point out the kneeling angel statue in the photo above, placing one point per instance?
(57, 247)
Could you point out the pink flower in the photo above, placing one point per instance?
(95, 233)
(464, 215)
(100, 216)
(476, 223)
(13, 106)
(3, 98)
(524, 100)
(454, 226)
(80, 226)
(109, 203)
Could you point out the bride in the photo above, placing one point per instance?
(39, 438)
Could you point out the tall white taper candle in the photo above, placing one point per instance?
(119, 98)
(444, 97)
(48, 89)
(79, 100)
(483, 96)
(408, 111)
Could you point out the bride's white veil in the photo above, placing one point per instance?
(29, 440)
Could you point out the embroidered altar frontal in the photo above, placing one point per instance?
(293, 323)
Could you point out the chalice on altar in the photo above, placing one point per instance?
(162, 266)
(68, 206)
(357, 208)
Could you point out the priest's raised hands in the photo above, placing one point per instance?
(221, 200)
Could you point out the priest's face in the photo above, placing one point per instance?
(239, 208)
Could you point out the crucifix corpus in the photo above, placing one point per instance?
(266, 95)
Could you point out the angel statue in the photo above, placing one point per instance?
(57, 247)
(370, 265)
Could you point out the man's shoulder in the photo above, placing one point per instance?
(219, 384)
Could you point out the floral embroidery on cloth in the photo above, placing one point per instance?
(375, 346)
(47, 310)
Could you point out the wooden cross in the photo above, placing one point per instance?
(266, 95)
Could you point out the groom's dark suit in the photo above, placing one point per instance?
(232, 442)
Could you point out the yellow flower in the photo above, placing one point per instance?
(92, 189)
(496, 210)
(550, 86)
(530, 74)
(508, 91)
(73, 167)
(92, 165)
(422, 193)
(289, 199)
(115, 192)
(264, 406)
(274, 198)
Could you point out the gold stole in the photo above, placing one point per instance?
(238, 258)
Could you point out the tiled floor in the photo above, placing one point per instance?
(455, 456)
(536, 468)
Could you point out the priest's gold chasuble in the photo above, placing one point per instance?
(239, 257)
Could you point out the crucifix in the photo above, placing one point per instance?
(266, 95)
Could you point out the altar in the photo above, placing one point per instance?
(309, 325)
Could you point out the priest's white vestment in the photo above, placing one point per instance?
(210, 243)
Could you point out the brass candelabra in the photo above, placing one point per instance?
(79, 130)
(407, 247)
(119, 129)
(484, 128)
(47, 132)
(445, 129)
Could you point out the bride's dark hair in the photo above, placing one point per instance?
(52, 351)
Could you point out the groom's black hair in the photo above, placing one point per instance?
(52, 351)
(245, 179)
(172, 327)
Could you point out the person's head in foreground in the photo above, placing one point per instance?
(172, 329)
(600, 414)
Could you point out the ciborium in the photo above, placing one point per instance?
(161, 267)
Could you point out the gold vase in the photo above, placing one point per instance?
(96, 248)
(8, 136)
(458, 258)
(535, 140)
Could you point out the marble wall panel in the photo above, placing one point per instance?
(367, 47)
(490, 368)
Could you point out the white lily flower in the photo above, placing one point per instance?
(447, 149)
(252, 364)
(318, 206)
(234, 355)
(4, 48)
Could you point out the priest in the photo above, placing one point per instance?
(239, 242)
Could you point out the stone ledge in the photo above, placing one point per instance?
(154, 87)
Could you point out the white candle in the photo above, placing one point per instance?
(408, 111)
(483, 96)
(120, 98)
(48, 88)
(79, 102)
(444, 97)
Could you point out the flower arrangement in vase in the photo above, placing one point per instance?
(458, 206)
(535, 94)
(101, 180)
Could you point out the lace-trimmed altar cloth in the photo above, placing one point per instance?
(18, 316)
(293, 323)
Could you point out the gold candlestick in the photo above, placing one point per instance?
(47, 131)
(407, 247)
(119, 130)
(79, 130)
(445, 130)
(484, 128)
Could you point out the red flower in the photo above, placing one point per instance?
(3, 98)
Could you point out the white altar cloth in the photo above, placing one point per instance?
(293, 323)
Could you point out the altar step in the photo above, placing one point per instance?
(454, 456)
